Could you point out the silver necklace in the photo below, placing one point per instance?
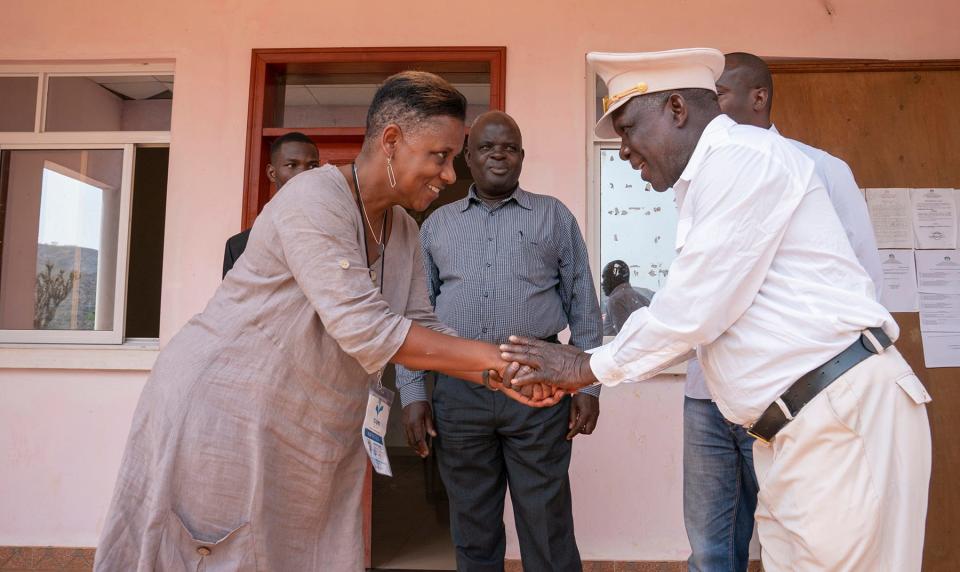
(363, 210)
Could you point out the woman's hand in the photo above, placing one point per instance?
(532, 395)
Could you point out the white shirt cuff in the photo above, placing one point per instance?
(605, 368)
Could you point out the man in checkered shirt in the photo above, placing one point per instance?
(504, 261)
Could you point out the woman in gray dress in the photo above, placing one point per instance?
(245, 450)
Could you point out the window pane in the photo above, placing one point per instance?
(637, 224)
(145, 270)
(60, 224)
(338, 94)
(18, 103)
(109, 103)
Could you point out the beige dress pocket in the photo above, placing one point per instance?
(181, 551)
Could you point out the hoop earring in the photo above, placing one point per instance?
(391, 176)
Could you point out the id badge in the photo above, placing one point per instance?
(375, 428)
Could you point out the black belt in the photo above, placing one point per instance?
(803, 390)
(551, 339)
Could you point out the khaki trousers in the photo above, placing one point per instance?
(844, 485)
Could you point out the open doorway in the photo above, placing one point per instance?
(410, 512)
(324, 93)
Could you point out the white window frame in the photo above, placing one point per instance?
(594, 146)
(126, 141)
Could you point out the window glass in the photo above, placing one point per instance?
(637, 224)
(18, 103)
(59, 251)
(109, 103)
(338, 94)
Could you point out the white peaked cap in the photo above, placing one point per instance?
(629, 75)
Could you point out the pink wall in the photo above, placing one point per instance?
(626, 475)
(60, 450)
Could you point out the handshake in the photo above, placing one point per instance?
(539, 373)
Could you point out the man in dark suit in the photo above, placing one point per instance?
(290, 155)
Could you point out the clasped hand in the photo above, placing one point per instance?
(532, 394)
(557, 366)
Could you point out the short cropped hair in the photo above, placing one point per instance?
(757, 72)
(410, 97)
(292, 137)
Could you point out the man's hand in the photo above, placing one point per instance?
(418, 423)
(557, 365)
(584, 412)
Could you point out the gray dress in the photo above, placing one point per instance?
(245, 449)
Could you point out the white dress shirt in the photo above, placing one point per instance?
(851, 208)
(766, 284)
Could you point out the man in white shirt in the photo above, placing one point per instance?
(785, 321)
(719, 483)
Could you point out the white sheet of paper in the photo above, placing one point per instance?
(938, 271)
(890, 214)
(939, 312)
(941, 349)
(899, 281)
(934, 218)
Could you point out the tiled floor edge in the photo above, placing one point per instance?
(58, 558)
(70, 559)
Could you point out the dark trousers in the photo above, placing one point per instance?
(487, 441)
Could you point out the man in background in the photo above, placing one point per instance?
(290, 155)
(622, 299)
(504, 260)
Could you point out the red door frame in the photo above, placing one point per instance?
(264, 94)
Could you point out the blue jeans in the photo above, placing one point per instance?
(719, 488)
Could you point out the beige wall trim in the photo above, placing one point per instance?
(138, 356)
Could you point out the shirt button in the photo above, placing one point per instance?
(489, 239)
(484, 330)
(488, 265)
(484, 294)
(203, 551)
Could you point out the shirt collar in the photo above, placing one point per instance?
(520, 196)
(713, 132)
(774, 129)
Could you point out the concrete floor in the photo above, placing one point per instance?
(411, 528)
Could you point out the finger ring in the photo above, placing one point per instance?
(486, 380)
